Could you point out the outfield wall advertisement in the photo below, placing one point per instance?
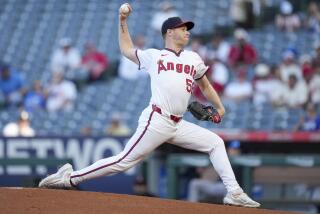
(82, 151)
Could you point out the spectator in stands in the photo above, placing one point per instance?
(310, 121)
(262, 85)
(208, 183)
(242, 52)
(129, 70)
(238, 13)
(219, 73)
(94, 62)
(286, 20)
(68, 60)
(306, 67)
(21, 128)
(219, 47)
(239, 89)
(61, 94)
(316, 55)
(314, 86)
(242, 13)
(12, 85)
(294, 94)
(117, 128)
(276, 84)
(35, 99)
(313, 17)
(289, 66)
(167, 11)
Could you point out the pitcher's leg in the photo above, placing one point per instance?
(141, 143)
(221, 163)
(194, 137)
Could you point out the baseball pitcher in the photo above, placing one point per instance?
(173, 72)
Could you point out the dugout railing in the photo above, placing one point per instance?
(247, 164)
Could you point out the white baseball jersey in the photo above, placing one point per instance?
(172, 77)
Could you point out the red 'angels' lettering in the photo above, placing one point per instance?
(179, 68)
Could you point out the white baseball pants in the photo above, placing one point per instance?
(153, 130)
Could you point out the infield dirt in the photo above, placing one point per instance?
(46, 201)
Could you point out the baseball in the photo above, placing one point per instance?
(124, 8)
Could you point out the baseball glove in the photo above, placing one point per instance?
(202, 112)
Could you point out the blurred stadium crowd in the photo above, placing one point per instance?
(62, 73)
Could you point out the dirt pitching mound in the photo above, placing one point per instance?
(46, 201)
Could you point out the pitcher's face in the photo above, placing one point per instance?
(181, 35)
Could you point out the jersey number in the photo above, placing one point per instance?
(189, 85)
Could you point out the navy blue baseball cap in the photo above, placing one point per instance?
(175, 22)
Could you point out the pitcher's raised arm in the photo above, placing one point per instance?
(125, 42)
